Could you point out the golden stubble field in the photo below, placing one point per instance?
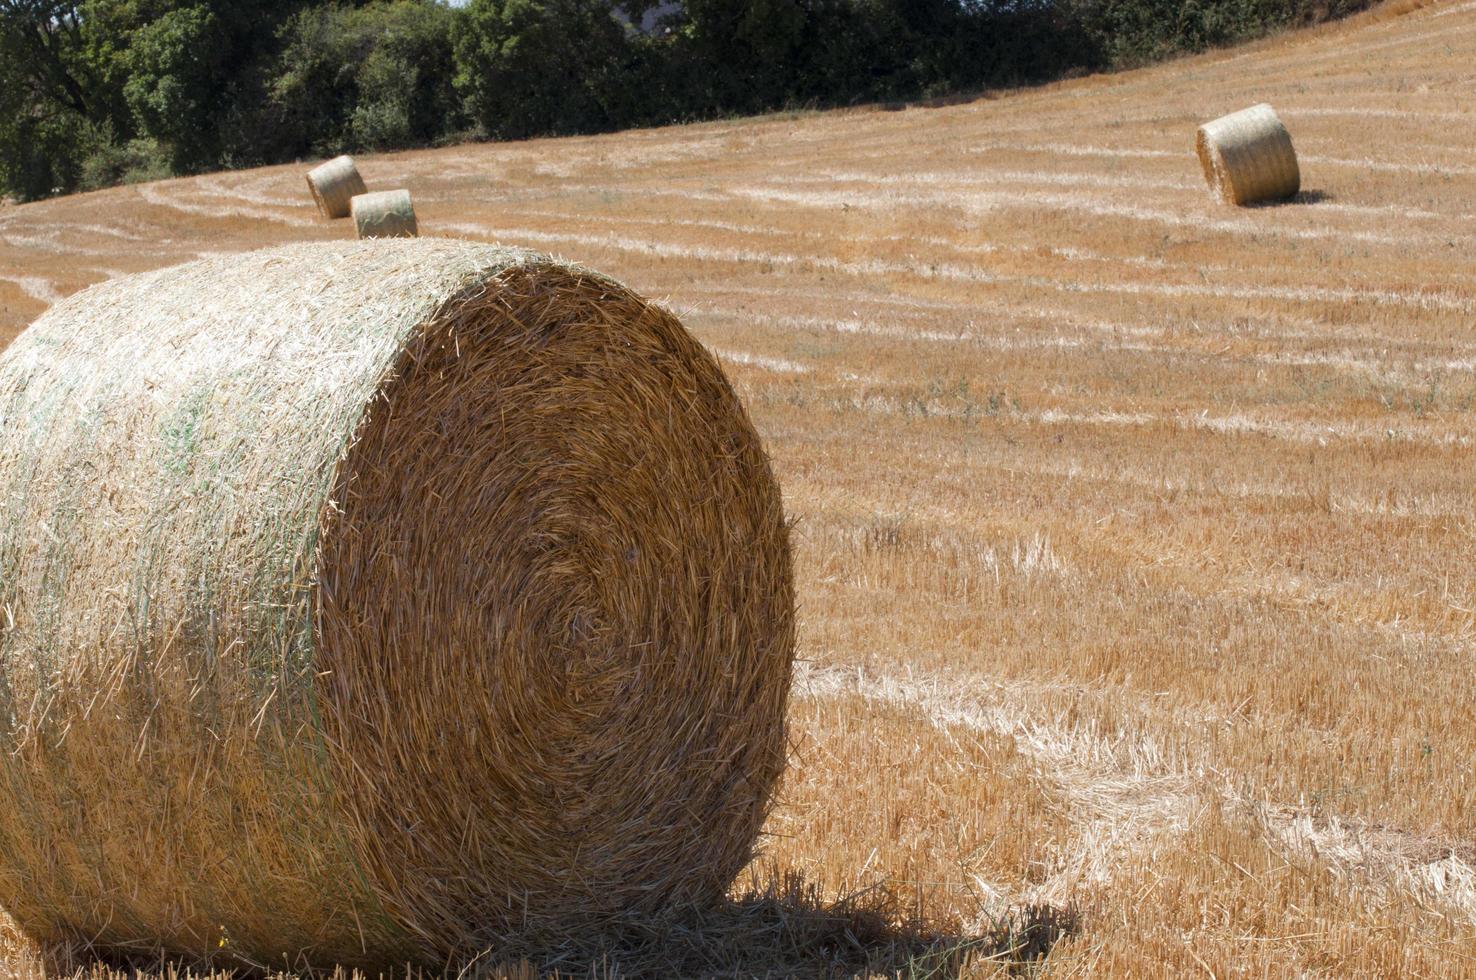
(1134, 534)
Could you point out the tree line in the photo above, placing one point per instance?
(98, 92)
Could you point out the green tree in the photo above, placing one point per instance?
(96, 87)
(742, 55)
(54, 102)
(374, 77)
(528, 67)
(199, 77)
(177, 78)
(1134, 32)
(43, 44)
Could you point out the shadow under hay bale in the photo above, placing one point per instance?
(785, 929)
(334, 185)
(1301, 197)
(1248, 157)
(384, 214)
(372, 602)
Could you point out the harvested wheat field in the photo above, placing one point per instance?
(1133, 531)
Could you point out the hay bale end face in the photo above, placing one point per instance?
(334, 185)
(1248, 156)
(372, 602)
(384, 214)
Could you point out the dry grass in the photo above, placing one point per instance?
(1134, 535)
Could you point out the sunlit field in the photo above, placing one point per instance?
(1134, 533)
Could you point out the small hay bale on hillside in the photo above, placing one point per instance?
(334, 185)
(371, 602)
(384, 214)
(1247, 157)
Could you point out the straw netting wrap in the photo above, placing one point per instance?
(334, 185)
(1247, 157)
(384, 214)
(376, 601)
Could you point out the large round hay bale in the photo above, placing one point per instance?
(384, 214)
(1247, 157)
(334, 185)
(376, 601)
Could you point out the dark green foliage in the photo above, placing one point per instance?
(99, 87)
(48, 93)
(528, 67)
(176, 82)
(108, 161)
(742, 55)
(1132, 32)
(39, 156)
(94, 92)
(830, 52)
(374, 77)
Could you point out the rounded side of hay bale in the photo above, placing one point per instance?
(384, 214)
(1248, 156)
(334, 185)
(375, 601)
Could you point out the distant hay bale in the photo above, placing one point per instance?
(368, 602)
(1247, 157)
(334, 184)
(384, 214)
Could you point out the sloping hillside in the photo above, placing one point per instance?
(1134, 532)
